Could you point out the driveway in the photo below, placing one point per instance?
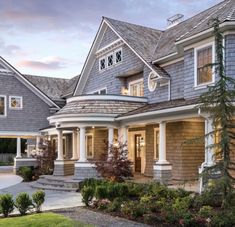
(9, 179)
(53, 200)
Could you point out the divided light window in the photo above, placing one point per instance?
(100, 92)
(204, 69)
(2, 106)
(136, 88)
(15, 102)
(102, 64)
(110, 60)
(118, 56)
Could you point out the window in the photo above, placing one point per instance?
(89, 145)
(156, 143)
(110, 60)
(118, 55)
(15, 102)
(102, 91)
(136, 88)
(2, 106)
(204, 71)
(102, 64)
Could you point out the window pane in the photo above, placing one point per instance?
(204, 70)
(137, 89)
(15, 102)
(2, 106)
(110, 60)
(102, 63)
(103, 92)
(118, 56)
(89, 145)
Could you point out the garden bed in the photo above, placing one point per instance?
(157, 205)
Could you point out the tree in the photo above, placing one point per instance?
(115, 165)
(218, 103)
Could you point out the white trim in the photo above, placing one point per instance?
(5, 106)
(62, 162)
(165, 57)
(155, 85)
(196, 49)
(155, 142)
(24, 159)
(100, 59)
(29, 85)
(162, 166)
(83, 164)
(200, 44)
(172, 62)
(110, 47)
(92, 135)
(99, 90)
(138, 81)
(21, 102)
(13, 133)
(170, 110)
(107, 97)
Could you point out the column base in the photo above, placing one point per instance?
(162, 172)
(63, 167)
(19, 162)
(84, 170)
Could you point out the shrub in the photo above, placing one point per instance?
(23, 203)
(26, 173)
(136, 190)
(133, 209)
(90, 182)
(115, 205)
(6, 204)
(101, 192)
(117, 190)
(206, 212)
(87, 194)
(225, 218)
(103, 204)
(117, 166)
(152, 219)
(38, 199)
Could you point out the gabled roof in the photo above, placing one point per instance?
(71, 86)
(6, 65)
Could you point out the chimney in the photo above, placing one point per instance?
(174, 20)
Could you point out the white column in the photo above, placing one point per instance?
(82, 145)
(209, 140)
(162, 143)
(60, 145)
(18, 148)
(37, 142)
(75, 153)
(123, 134)
(78, 143)
(110, 135)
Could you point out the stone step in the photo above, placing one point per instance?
(47, 187)
(47, 182)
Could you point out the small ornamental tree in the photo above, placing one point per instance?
(218, 103)
(114, 164)
(45, 157)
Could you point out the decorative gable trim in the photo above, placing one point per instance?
(116, 44)
(29, 85)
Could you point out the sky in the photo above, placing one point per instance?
(53, 37)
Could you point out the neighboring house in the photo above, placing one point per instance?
(25, 103)
(141, 85)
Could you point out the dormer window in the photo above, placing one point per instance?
(15, 102)
(102, 91)
(110, 59)
(204, 57)
(136, 88)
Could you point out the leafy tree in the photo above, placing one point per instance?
(115, 165)
(218, 102)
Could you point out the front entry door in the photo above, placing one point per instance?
(137, 153)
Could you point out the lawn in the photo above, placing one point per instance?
(41, 220)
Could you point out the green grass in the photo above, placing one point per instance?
(41, 220)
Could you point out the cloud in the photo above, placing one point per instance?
(47, 63)
(10, 49)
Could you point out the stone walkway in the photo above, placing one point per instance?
(53, 200)
(97, 219)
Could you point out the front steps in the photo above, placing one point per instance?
(49, 182)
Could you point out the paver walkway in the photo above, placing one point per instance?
(97, 219)
(53, 200)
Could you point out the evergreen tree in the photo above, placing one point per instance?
(218, 103)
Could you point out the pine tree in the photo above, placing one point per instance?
(218, 103)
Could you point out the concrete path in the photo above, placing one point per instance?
(9, 179)
(53, 200)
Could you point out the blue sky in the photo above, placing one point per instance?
(53, 37)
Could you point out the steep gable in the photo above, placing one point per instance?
(108, 37)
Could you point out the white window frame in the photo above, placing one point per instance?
(101, 58)
(134, 82)
(89, 134)
(5, 105)
(107, 59)
(155, 143)
(99, 90)
(196, 49)
(21, 102)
